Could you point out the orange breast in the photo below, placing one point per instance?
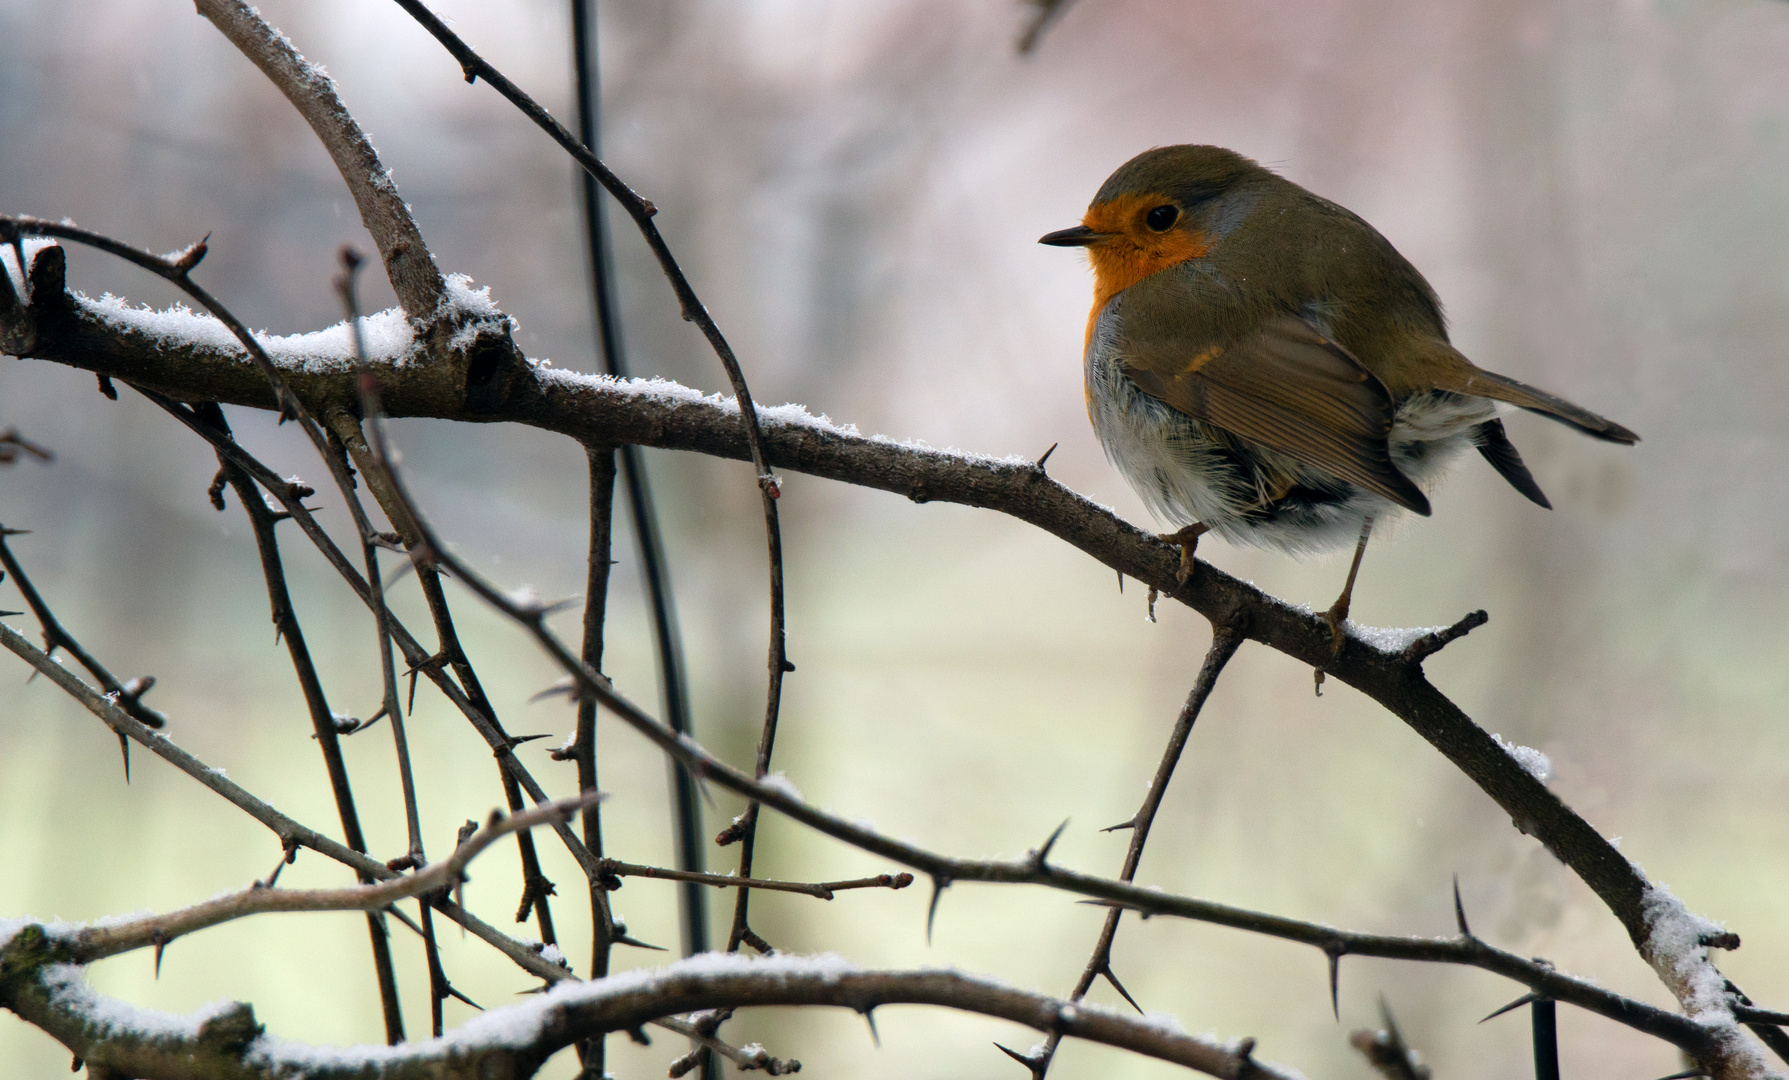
(1133, 251)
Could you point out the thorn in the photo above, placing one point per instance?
(517, 740)
(1040, 461)
(1335, 982)
(1015, 1055)
(160, 944)
(124, 748)
(939, 884)
(566, 687)
(1460, 910)
(457, 996)
(1121, 583)
(106, 387)
(623, 939)
(1106, 970)
(1525, 999)
(1684, 1075)
(869, 1016)
(191, 256)
(1043, 853)
(1131, 824)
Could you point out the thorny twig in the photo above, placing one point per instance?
(641, 211)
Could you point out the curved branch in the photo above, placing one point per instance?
(100, 940)
(512, 1043)
(414, 276)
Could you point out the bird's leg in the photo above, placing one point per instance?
(1338, 612)
(1187, 540)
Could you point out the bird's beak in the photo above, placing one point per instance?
(1079, 236)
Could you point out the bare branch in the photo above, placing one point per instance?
(512, 1043)
(822, 889)
(98, 941)
(407, 260)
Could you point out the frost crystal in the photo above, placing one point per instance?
(1537, 764)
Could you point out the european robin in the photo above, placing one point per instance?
(1262, 364)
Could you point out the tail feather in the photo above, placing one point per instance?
(1494, 444)
(1487, 384)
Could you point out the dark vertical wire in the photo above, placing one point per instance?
(639, 492)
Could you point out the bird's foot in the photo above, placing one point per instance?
(1187, 540)
(1336, 616)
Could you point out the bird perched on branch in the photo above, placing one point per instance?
(1262, 364)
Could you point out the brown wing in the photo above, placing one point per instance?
(1288, 388)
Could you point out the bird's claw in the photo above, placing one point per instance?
(1187, 540)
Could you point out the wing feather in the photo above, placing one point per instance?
(1288, 388)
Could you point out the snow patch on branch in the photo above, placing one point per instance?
(1390, 639)
(520, 1025)
(471, 310)
(1676, 945)
(20, 274)
(388, 334)
(771, 417)
(1535, 763)
(109, 1017)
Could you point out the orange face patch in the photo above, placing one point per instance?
(1131, 250)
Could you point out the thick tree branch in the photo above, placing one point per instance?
(227, 1043)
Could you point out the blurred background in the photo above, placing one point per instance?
(1596, 189)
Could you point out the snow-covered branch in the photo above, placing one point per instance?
(225, 1042)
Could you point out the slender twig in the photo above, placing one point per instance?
(747, 1060)
(285, 621)
(636, 482)
(391, 709)
(1225, 640)
(95, 942)
(291, 834)
(1386, 1051)
(476, 67)
(477, 708)
(414, 654)
(598, 561)
(822, 889)
(370, 542)
(128, 695)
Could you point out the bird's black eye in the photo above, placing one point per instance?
(1162, 218)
